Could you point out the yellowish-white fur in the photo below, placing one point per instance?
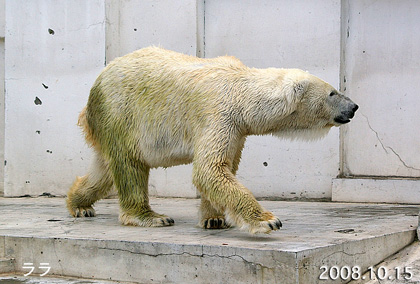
(158, 108)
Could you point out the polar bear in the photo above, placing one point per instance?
(158, 108)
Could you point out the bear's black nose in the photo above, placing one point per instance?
(356, 107)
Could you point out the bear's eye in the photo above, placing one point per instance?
(333, 93)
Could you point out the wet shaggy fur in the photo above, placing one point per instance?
(158, 108)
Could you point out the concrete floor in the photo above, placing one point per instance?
(313, 235)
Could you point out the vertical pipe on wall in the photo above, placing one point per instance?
(345, 29)
(2, 104)
(112, 30)
(201, 25)
(2, 35)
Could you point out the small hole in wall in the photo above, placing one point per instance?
(37, 101)
(51, 32)
(45, 86)
(265, 164)
(135, 29)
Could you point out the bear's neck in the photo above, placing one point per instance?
(262, 103)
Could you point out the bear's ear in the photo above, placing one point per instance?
(299, 88)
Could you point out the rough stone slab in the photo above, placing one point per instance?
(314, 234)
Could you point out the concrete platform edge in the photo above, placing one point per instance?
(362, 253)
(151, 262)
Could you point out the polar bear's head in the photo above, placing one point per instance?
(314, 106)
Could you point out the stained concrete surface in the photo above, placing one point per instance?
(51, 280)
(313, 234)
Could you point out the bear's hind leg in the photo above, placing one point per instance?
(88, 189)
(131, 180)
(211, 218)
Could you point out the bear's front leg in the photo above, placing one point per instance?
(131, 180)
(221, 188)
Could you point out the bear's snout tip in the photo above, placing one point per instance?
(353, 111)
(356, 107)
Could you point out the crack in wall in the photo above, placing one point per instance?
(342, 252)
(230, 257)
(89, 26)
(386, 148)
(57, 258)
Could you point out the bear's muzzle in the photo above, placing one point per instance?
(345, 116)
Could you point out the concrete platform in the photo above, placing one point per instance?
(39, 230)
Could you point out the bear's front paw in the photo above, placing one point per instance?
(268, 224)
(218, 222)
(83, 212)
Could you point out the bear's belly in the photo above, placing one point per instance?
(160, 154)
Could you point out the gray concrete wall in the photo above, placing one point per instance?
(54, 51)
(380, 71)
(132, 25)
(366, 48)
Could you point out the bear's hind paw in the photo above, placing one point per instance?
(214, 223)
(83, 212)
(146, 221)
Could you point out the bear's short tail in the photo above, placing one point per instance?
(83, 123)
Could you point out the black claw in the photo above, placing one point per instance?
(171, 221)
(205, 224)
(279, 224)
(271, 226)
(211, 223)
(220, 223)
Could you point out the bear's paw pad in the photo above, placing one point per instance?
(83, 212)
(214, 223)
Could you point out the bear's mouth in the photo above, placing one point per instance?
(345, 117)
(342, 120)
